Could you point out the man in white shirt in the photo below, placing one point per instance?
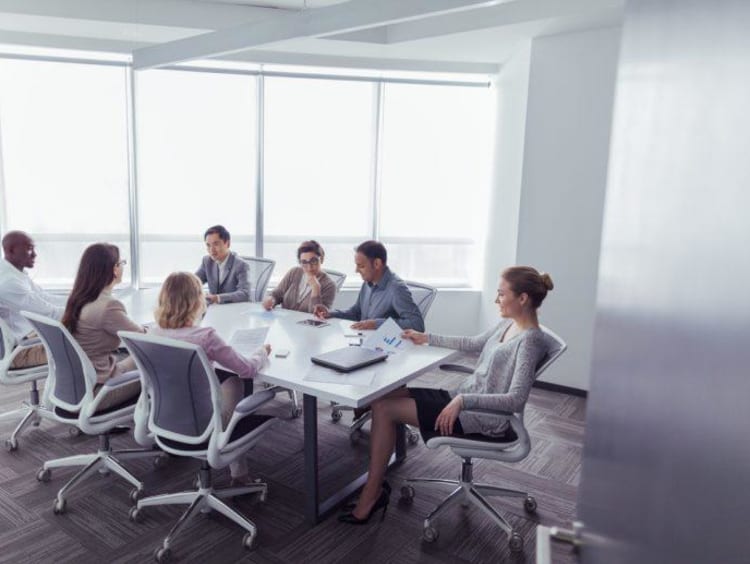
(19, 293)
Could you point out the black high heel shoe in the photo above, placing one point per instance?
(383, 501)
(352, 504)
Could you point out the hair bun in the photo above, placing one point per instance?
(547, 281)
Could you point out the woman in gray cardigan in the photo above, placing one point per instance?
(304, 286)
(502, 379)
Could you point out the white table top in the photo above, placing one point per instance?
(303, 341)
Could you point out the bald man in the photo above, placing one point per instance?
(19, 293)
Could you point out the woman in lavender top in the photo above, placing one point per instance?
(501, 381)
(178, 316)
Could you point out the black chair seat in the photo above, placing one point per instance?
(245, 426)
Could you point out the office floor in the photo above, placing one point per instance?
(96, 528)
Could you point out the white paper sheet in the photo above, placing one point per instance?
(327, 376)
(387, 338)
(247, 341)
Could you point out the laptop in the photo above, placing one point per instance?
(349, 358)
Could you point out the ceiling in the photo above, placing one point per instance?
(476, 37)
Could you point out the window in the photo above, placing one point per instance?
(318, 168)
(197, 153)
(435, 174)
(64, 142)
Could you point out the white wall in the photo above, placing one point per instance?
(568, 121)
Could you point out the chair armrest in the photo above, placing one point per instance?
(253, 402)
(122, 379)
(245, 408)
(457, 368)
(26, 342)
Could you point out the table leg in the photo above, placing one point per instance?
(310, 414)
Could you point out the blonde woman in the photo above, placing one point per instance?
(178, 315)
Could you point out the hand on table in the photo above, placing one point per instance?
(212, 298)
(365, 324)
(321, 312)
(269, 303)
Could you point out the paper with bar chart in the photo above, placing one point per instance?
(387, 338)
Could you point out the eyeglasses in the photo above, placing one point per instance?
(121, 263)
(312, 262)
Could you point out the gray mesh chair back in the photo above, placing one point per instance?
(338, 278)
(177, 376)
(7, 339)
(72, 377)
(555, 347)
(259, 273)
(423, 296)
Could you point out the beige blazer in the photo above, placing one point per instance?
(97, 330)
(287, 292)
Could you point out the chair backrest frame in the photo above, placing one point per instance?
(72, 378)
(338, 278)
(260, 271)
(152, 380)
(424, 303)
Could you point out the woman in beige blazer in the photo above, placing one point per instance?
(304, 286)
(94, 317)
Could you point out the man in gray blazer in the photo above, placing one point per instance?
(224, 271)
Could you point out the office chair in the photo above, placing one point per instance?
(184, 418)
(423, 296)
(259, 273)
(71, 384)
(31, 412)
(338, 278)
(511, 449)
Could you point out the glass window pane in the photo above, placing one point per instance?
(65, 159)
(437, 147)
(318, 166)
(197, 152)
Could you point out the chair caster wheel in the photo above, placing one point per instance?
(43, 475)
(74, 432)
(296, 412)
(248, 541)
(412, 437)
(430, 534)
(135, 515)
(407, 493)
(36, 421)
(59, 507)
(162, 554)
(11, 445)
(136, 494)
(335, 416)
(160, 461)
(515, 543)
(529, 504)
(355, 437)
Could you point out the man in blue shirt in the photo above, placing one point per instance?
(383, 294)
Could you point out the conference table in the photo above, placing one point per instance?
(294, 371)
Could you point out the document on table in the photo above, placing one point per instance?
(387, 338)
(247, 341)
(327, 376)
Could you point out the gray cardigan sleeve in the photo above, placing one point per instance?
(466, 344)
(530, 351)
(282, 287)
(327, 292)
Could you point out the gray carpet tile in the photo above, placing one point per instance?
(96, 528)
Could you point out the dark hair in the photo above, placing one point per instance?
(529, 281)
(219, 230)
(373, 250)
(310, 246)
(95, 271)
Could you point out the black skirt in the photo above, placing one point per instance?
(430, 402)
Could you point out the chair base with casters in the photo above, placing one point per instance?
(293, 399)
(203, 499)
(105, 460)
(469, 492)
(31, 413)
